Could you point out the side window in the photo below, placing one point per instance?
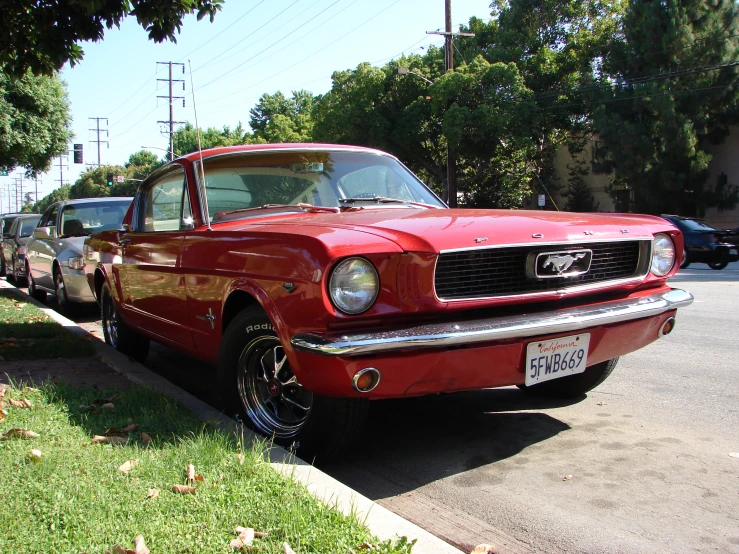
(163, 204)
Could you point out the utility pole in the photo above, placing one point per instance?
(171, 98)
(98, 130)
(450, 193)
(61, 174)
(19, 192)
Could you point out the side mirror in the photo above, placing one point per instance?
(42, 232)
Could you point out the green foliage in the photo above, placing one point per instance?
(186, 138)
(276, 118)
(43, 36)
(666, 103)
(579, 196)
(57, 195)
(34, 121)
(139, 165)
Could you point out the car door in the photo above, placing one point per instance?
(41, 250)
(9, 245)
(150, 274)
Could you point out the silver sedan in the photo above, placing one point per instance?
(54, 253)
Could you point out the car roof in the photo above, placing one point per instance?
(91, 200)
(298, 146)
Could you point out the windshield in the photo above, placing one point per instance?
(251, 180)
(84, 219)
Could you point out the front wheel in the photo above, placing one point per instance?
(32, 290)
(19, 279)
(256, 381)
(573, 385)
(65, 305)
(116, 333)
(685, 263)
(717, 265)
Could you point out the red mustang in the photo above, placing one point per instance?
(317, 277)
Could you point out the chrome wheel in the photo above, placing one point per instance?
(274, 400)
(61, 291)
(109, 321)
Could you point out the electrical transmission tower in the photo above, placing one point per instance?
(98, 130)
(171, 99)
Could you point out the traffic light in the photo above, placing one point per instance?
(110, 179)
(78, 153)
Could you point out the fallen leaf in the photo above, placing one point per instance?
(286, 549)
(27, 403)
(139, 545)
(116, 441)
(601, 403)
(145, 438)
(484, 549)
(31, 389)
(20, 434)
(190, 473)
(34, 455)
(200, 478)
(114, 432)
(240, 457)
(153, 493)
(246, 536)
(183, 489)
(118, 549)
(16, 403)
(88, 408)
(566, 477)
(108, 406)
(3, 414)
(130, 428)
(128, 466)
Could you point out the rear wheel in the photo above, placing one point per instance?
(10, 272)
(32, 290)
(574, 385)
(717, 265)
(256, 381)
(19, 280)
(117, 334)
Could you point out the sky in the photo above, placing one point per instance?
(252, 47)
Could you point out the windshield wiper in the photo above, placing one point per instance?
(383, 200)
(293, 207)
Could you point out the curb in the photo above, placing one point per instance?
(381, 522)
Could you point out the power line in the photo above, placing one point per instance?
(98, 130)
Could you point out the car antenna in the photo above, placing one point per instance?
(200, 151)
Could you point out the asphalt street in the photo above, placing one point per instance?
(643, 464)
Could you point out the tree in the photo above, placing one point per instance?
(186, 138)
(276, 118)
(42, 35)
(140, 164)
(673, 92)
(34, 122)
(57, 195)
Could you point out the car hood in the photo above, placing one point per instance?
(416, 229)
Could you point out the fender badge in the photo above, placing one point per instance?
(289, 287)
(538, 236)
(481, 239)
(210, 318)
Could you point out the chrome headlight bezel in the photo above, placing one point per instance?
(663, 254)
(354, 285)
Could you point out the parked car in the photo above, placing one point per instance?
(54, 254)
(704, 243)
(318, 277)
(14, 246)
(6, 222)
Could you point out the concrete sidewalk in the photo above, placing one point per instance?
(113, 370)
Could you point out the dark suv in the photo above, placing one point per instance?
(704, 243)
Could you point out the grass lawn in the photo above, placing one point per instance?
(26, 333)
(76, 497)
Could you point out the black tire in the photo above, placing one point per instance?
(65, 305)
(117, 334)
(685, 263)
(10, 275)
(257, 384)
(32, 290)
(2, 264)
(717, 265)
(574, 385)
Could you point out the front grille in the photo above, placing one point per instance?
(483, 273)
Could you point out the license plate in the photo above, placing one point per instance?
(554, 358)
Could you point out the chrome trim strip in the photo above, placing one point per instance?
(546, 244)
(444, 335)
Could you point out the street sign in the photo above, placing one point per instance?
(120, 178)
(542, 200)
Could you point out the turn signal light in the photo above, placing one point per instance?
(366, 379)
(667, 327)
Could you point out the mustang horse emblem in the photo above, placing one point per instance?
(562, 262)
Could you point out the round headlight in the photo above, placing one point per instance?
(663, 255)
(354, 285)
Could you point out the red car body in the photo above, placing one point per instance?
(184, 287)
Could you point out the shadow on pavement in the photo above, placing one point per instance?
(416, 441)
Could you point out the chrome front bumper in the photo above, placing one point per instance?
(492, 329)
